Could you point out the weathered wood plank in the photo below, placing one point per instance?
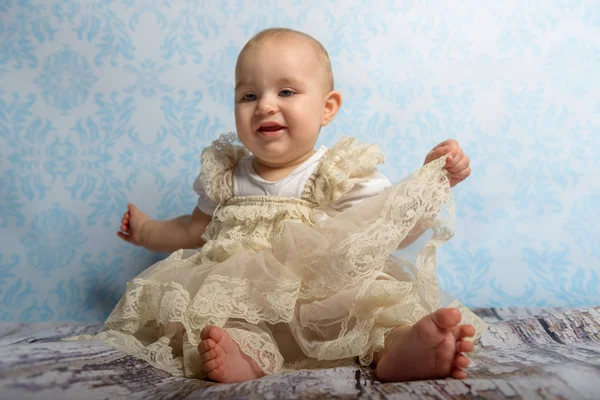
(523, 355)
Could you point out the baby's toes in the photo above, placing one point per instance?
(205, 345)
(212, 364)
(464, 331)
(211, 332)
(462, 346)
(217, 374)
(461, 361)
(208, 355)
(458, 373)
(445, 354)
(212, 358)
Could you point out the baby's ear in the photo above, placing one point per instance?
(333, 102)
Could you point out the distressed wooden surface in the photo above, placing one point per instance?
(526, 353)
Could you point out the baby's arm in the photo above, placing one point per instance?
(183, 232)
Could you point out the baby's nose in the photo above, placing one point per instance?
(266, 105)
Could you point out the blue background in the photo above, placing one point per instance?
(104, 102)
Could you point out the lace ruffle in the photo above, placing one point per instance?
(346, 164)
(251, 222)
(217, 167)
(355, 257)
(218, 299)
(260, 348)
(158, 354)
(334, 283)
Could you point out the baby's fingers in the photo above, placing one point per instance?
(125, 237)
(441, 151)
(458, 166)
(437, 152)
(459, 176)
(454, 158)
(132, 209)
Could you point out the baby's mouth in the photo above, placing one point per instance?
(270, 127)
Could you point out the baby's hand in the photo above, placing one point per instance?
(458, 164)
(131, 225)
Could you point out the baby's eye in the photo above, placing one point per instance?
(249, 97)
(286, 93)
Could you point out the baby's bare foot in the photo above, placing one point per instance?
(222, 360)
(427, 350)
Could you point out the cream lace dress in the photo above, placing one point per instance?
(291, 279)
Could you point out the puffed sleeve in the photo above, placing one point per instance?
(205, 204)
(214, 185)
(346, 170)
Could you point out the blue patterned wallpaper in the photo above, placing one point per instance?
(104, 102)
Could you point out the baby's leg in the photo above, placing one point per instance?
(427, 350)
(223, 360)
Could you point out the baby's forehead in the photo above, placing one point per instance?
(282, 44)
(274, 45)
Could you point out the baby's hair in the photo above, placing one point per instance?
(285, 33)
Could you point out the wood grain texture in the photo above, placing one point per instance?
(525, 354)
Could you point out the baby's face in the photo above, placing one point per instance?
(280, 94)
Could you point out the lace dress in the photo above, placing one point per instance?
(291, 279)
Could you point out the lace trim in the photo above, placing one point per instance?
(259, 347)
(371, 326)
(224, 297)
(309, 186)
(251, 222)
(417, 201)
(145, 301)
(157, 354)
(167, 303)
(218, 162)
(217, 300)
(347, 163)
(374, 306)
(263, 200)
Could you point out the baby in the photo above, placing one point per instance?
(296, 262)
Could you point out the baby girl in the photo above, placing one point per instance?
(300, 257)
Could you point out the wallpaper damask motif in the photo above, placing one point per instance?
(104, 102)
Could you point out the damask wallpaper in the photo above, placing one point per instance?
(108, 101)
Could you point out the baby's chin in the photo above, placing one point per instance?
(277, 157)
